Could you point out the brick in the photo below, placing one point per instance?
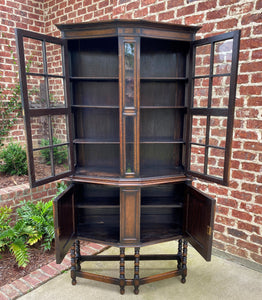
(21, 286)
(38, 274)
(256, 78)
(243, 175)
(141, 12)
(225, 220)
(3, 296)
(257, 258)
(220, 228)
(49, 270)
(206, 5)
(237, 251)
(34, 282)
(258, 199)
(248, 246)
(241, 215)
(241, 9)
(227, 2)
(248, 227)
(147, 2)
(252, 167)
(195, 19)
(250, 90)
(166, 16)
(253, 145)
(248, 19)
(222, 210)
(216, 14)
(187, 10)
(241, 195)
(256, 209)
(224, 238)
(225, 24)
(133, 5)
(219, 245)
(251, 43)
(247, 113)
(244, 155)
(174, 3)
(256, 239)
(157, 8)
(10, 291)
(258, 220)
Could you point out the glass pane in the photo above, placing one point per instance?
(61, 159)
(223, 57)
(54, 59)
(216, 160)
(201, 92)
(218, 131)
(60, 155)
(40, 131)
(37, 92)
(56, 92)
(220, 92)
(129, 74)
(59, 129)
(42, 163)
(199, 125)
(33, 55)
(202, 60)
(197, 158)
(129, 129)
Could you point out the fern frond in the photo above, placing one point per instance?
(19, 249)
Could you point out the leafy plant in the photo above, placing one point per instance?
(17, 237)
(14, 160)
(39, 216)
(59, 153)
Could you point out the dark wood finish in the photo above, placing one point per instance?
(64, 215)
(129, 93)
(129, 215)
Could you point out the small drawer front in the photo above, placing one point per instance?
(130, 215)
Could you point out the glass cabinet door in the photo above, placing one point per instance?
(129, 101)
(44, 89)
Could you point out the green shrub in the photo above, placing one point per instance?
(14, 160)
(16, 238)
(59, 153)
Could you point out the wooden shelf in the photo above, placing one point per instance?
(94, 78)
(160, 202)
(163, 78)
(162, 106)
(160, 141)
(99, 202)
(96, 141)
(95, 106)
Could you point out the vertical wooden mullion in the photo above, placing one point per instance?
(48, 105)
(209, 106)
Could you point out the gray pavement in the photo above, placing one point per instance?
(219, 279)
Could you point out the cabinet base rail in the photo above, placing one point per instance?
(180, 257)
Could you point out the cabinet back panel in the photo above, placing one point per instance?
(162, 93)
(161, 124)
(95, 93)
(172, 192)
(163, 58)
(94, 57)
(97, 124)
(100, 158)
(160, 159)
(99, 191)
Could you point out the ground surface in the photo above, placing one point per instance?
(8, 180)
(9, 270)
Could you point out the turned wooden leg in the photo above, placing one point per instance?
(184, 261)
(77, 247)
(73, 264)
(122, 271)
(179, 262)
(136, 271)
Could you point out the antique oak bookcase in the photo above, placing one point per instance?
(129, 112)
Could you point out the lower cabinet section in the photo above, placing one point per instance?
(133, 216)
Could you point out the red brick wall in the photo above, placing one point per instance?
(238, 223)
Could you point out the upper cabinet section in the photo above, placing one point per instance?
(128, 102)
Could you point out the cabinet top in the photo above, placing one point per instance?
(128, 28)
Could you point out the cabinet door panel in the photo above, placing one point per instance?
(44, 84)
(199, 221)
(130, 215)
(211, 111)
(64, 219)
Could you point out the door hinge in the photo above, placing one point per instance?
(209, 230)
